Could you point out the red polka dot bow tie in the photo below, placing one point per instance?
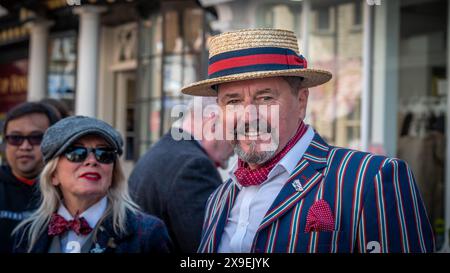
(58, 225)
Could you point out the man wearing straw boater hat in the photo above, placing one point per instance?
(290, 191)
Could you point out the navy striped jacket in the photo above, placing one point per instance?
(375, 202)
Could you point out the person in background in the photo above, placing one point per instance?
(176, 175)
(85, 205)
(23, 129)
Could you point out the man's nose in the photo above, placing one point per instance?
(251, 113)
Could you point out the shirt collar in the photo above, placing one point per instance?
(92, 214)
(288, 162)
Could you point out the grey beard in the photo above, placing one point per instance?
(253, 157)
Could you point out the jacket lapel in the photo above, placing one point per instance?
(106, 240)
(87, 246)
(42, 244)
(100, 243)
(305, 176)
(55, 245)
(215, 230)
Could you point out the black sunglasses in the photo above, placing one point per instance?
(17, 140)
(78, 154)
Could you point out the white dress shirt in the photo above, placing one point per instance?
(253, 202)
(70, 241)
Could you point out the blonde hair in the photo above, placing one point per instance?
(119, 201)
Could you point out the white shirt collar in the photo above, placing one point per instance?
(288, 162)
(92, 214)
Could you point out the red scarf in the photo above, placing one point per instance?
(248, 177)
(29, 182)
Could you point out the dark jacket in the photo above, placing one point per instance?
(144, 234)
(173, 181)
(17, 200)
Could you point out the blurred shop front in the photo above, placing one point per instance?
(172, 54)
(422, 99)
(143, 65)
(123, 61)
(13, 67)
(389, 92)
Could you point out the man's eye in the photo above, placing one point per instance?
(266, 98)
(232, 102)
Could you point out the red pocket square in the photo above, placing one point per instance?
(319, 218)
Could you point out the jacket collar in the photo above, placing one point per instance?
(317, 153)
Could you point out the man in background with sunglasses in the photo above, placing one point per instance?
(24, 127)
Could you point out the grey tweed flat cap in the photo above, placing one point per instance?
(62, 134)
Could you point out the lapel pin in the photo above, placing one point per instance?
(97, 249)
(297, 185)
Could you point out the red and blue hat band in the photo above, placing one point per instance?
(254, 60)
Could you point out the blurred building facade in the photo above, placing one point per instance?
(124, 61)
(121, 61)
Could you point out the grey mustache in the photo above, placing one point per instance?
(260, 127)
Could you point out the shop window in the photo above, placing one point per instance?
(130, 131)
(13, 91)
(62, 68)
(334, 109)
(173, 41)
(125, 39)
(357, 13)
(422, 102)
(323, 19)
(282, 16)
(123, 63)
(172, 55)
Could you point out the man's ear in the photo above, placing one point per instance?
(213, 119)
(302, 97)
(209, 124)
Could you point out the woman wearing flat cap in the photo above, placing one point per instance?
(85, 202)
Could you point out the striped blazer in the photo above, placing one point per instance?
(374, 200)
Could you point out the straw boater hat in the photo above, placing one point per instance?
(253, 54)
